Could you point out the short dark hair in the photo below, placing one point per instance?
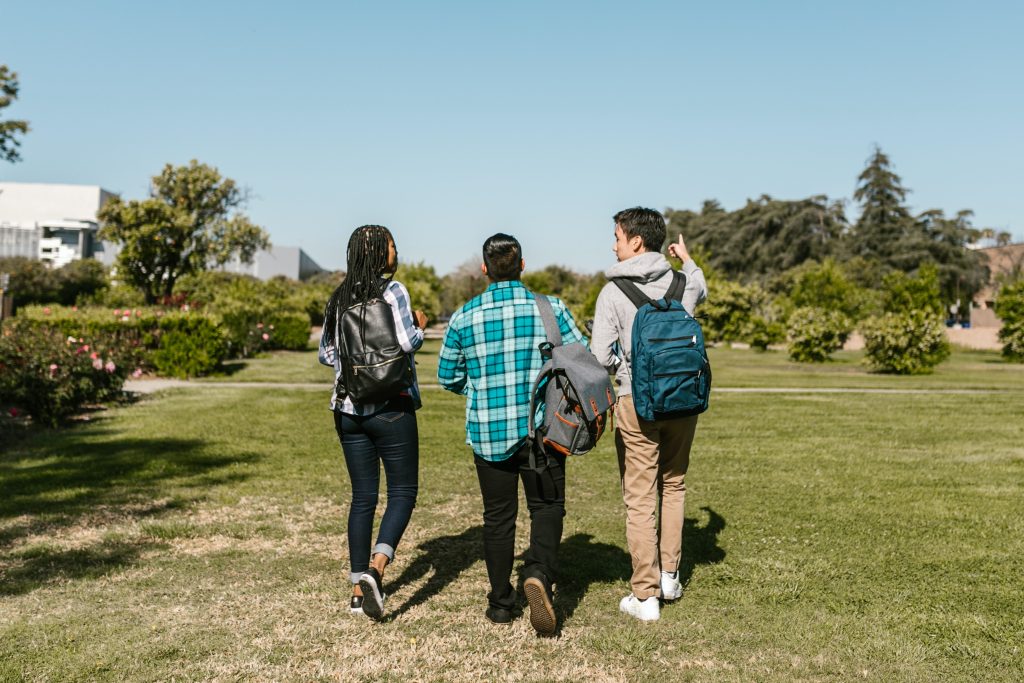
(503, 257)
(647, 223)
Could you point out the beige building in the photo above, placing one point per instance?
(1002, 261)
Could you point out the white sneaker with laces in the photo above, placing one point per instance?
(644, 610)
(671, 588)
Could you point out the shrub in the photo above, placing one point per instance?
(826, 286)
(903, 293)
(144, 329)
(763, 333)
(51, 375)
(257, 316)
(1010, 309)
(814, 334)
(190, 350)
(729, 310)
(908, 343)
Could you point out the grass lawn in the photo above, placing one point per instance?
(199, 535)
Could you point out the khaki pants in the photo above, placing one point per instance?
(653, 457)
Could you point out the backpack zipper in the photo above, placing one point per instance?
(692, 338)
(355, 368)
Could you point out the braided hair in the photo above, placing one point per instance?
(365, 279)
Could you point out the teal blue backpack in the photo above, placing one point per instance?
(671, 375)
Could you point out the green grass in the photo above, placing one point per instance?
(973, 370)
(199, 535)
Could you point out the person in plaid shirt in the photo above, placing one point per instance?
(490, 353)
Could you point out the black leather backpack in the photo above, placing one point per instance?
(373, 366)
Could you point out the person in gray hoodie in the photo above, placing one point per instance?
(653, 455)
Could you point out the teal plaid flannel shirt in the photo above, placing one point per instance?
(490, 354)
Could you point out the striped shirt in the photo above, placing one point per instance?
(490, 354)
(410, 338)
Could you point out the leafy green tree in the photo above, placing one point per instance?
(944, 242)
(424, 287)
(190, 222)
(824, 285)
(9, 130)
(31, 281)
(764, 237)
(1010, 309)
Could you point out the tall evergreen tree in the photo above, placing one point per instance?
(884, 220)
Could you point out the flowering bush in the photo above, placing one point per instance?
(50, 375)
(910, 343)
(145, 329)
(815, 333)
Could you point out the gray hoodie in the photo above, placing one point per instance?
(613, 317)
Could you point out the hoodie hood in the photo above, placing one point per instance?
(643, 268)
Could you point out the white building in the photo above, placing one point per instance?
(57, 224)
(52, 222)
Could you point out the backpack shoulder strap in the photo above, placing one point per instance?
(677, 287)
(633, 292)
(547, 315)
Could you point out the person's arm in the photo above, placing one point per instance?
(606, 331)
(696, 286)
(410, 336)
(451, 365)
(327, 353)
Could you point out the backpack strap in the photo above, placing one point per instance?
(547, 315)
(677, 287)
(633, 292)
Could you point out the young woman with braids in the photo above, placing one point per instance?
(375, 434)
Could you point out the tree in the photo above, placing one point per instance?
(764, 237)
(424, 287)
(9, 129)
(190, 222)
(884, 220)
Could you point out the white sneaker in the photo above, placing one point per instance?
(644, 610)
(671, 589)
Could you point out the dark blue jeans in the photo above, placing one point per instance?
(389, 437)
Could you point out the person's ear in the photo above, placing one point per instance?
(522, 265)
(483, 268)
(636, 243)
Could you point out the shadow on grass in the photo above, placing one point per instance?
(39, 565)
(700, 544)
(583, 562)
(446, 557)
(84, 478)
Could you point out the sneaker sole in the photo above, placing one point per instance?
(542, 614)
(373, 601)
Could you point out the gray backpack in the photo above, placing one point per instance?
(576, 393)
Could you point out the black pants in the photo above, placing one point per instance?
(545, 498)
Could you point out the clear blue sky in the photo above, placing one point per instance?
(449, 121)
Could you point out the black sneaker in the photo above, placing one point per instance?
(356, 606)
(499, 615)
(542, 614)
(373, 594)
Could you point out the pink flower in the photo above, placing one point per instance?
(53, 369)
(13, 412)
(74, 308)
(259, 326)
(86, 347)
(138, 313)
(117, 311)
(94, 355)
(110, 367)
(97, 364)
(159, 314)
(46, 311)
(266, 336)
(137, 373)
